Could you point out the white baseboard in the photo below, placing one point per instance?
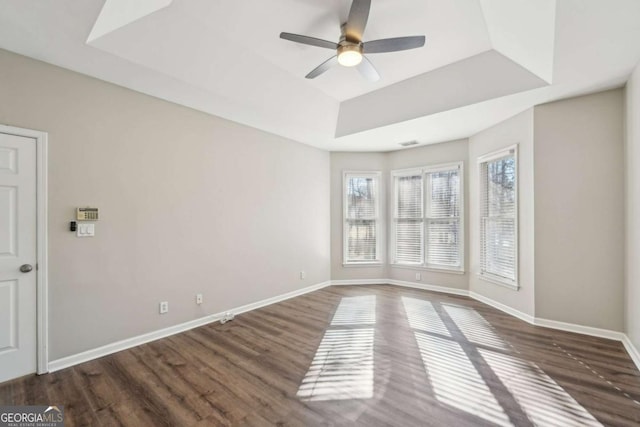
(579, 329)
(436, 288)
(350, 282)
(105, 350)
(427, 287)
(423, 286)
(563, 326)
(632, 350)
(502, 307)
(279, 298)
(552, 324)
(85, 356)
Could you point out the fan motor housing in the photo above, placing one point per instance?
(349, 47)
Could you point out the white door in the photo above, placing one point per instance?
(17, 256)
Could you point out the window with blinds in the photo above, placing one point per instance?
(443, 219)
(427, 225)
(361, 222)
(409, 219)
(499, 216)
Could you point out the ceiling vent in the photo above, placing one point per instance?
(409, 143)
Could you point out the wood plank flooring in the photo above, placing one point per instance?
(365, 355)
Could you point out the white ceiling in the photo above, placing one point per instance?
(225, 58)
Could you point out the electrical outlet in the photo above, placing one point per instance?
(198, 298)
(164, 307)
(303, 275)
(418, 276)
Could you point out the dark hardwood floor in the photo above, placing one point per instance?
(365, 355)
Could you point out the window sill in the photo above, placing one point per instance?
(363, 264)
(498, 281)
(423, 268)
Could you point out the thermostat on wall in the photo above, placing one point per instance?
(87, 214)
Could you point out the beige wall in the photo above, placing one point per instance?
(189, 203)
(446, 152)
(517, 130)
(192, 203)
(340, 162)
(632, 156)
(579, 210)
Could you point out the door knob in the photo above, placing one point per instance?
(25, 268)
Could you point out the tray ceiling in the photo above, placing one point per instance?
(484, 60)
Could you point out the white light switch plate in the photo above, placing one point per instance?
(86, 230)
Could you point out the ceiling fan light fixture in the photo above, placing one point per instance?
(350, 55)
(350, 48)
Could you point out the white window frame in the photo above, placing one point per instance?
(486, 276)
(376, 175)
(423, 171)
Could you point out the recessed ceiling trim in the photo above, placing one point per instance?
(482, 77)
(524, 31)
(118, 13)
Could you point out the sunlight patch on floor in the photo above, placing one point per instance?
(342, 367)
(355, 311)
(455, 380)
(474, 327)
(422, 316)
(542, 399)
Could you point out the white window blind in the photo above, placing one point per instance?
(408, 218)
(427, 217)
(361, 231)
(444, 236)
(498, 216)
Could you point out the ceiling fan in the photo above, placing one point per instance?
(350, 49)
